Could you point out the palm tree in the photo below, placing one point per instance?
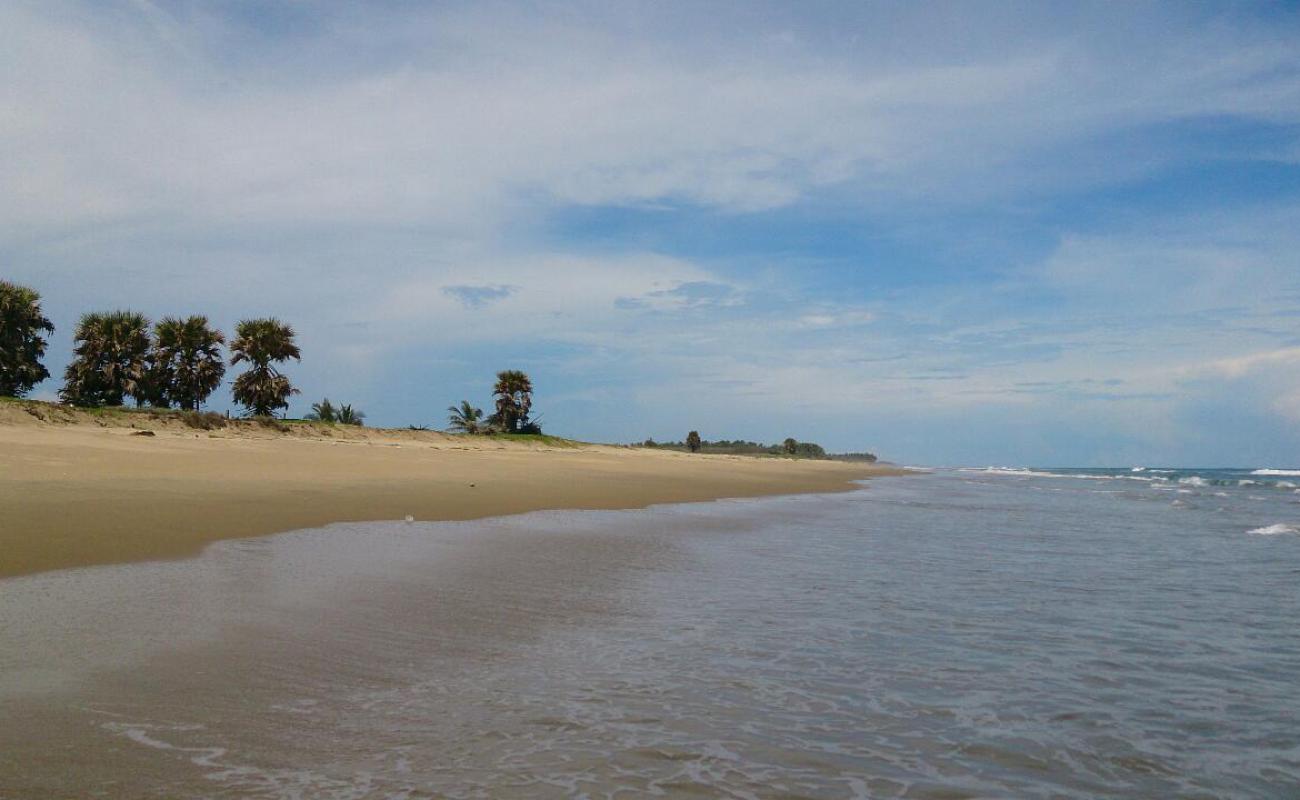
(323, 411)
(260, 342)
(21, 342)
(693, 441)
(464, 418)
(112, 360)
(514, 400)
(349, 416)
(187, 361)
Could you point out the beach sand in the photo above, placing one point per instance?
(78, 488)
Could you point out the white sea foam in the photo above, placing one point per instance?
(1285, 472)
(1016, 471)
(1274, 530)
(1193, 481)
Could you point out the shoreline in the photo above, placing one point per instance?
(85, 490)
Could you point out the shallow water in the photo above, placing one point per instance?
(964, 634)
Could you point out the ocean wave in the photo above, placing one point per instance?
(1274, 530)
(1276, 472)
(1264, 479)
(1011, 471)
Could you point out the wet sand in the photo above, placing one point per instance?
(85, 490)
(264, 667)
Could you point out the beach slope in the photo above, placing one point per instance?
(79, 488)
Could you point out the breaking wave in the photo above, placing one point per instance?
(1275, 530)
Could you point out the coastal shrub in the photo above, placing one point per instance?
(465, 418)
(327, 412)
(692, 441)
(347, 415)
(22, 340)
(203, 420)
(322, 412)
(268, 421)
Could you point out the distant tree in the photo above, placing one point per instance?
(187, 364)
(263, 342)
(465, 418)
(514, 401)
(809, 450)
(351, 416)
(112, 352)
(323, 412)
(649, 443)
(693, 441)
(22, 344)
(790, 446)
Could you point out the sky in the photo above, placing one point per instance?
(948, 233)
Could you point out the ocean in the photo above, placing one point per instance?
(984, 633)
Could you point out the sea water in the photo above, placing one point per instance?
(988, 633)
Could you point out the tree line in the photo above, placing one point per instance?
(178, 362)
(122, 355)
(789, 447)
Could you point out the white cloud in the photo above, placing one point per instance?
(1241, 366)
(148, 118)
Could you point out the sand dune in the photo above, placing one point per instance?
(78, 489)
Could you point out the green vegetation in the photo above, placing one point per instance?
(263, 342)
(349, 416)
(790, 448)
(187, 365)
(112, 360)
(22, 344)
(513, 393)
(869, 458)
(465, 418)
(325, 411)
(536, 438)
(514, 402)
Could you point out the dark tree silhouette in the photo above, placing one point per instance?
(187, 364)
(112, 360)
(261, 342)
(22, 344)
(514, 401)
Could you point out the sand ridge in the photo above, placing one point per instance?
(78, 488)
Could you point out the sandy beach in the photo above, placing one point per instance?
(79, 489)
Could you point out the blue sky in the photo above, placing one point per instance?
(953, 233)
